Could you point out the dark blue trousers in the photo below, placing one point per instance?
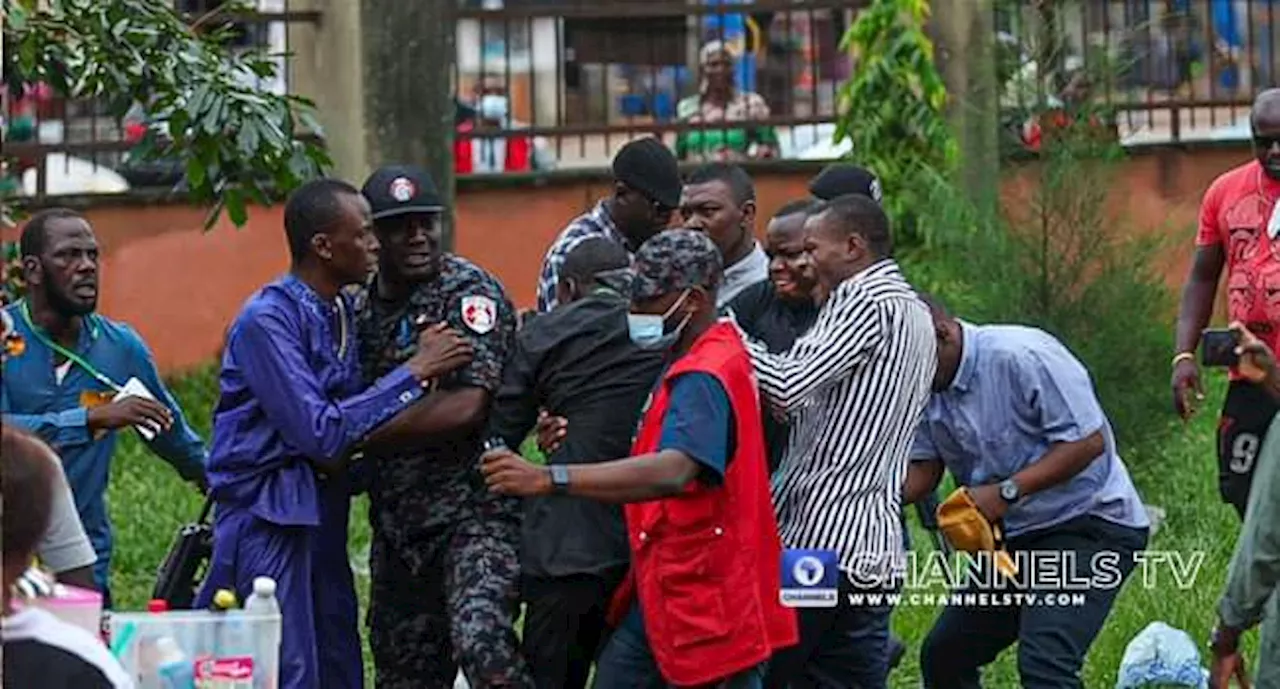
(1052, 639)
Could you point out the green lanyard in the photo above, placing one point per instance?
(71, 356)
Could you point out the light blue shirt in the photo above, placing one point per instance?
(1018, 391)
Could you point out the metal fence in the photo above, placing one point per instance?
(56, 145)
(562, 84)
(1169, 71)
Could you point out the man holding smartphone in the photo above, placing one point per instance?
(1239, 230)
(1249, 597)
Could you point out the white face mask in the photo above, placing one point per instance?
(493, 107)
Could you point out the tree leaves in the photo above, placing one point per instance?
(236, 140)
(892, 109)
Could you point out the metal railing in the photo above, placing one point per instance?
(575, 80)
(563, 84)
(1167, 71)
(55, 145)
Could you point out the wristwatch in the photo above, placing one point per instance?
(559, 479)
(1009, 490)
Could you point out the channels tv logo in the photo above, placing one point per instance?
(809, 578)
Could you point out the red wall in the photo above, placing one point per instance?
(180, 286)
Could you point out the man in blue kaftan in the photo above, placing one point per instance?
(293, 409)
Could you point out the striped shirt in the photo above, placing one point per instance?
(596, 223)
(854, 388)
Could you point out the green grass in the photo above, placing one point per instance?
(1177, 473)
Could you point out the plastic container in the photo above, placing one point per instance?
(237, 649)
(73, 605)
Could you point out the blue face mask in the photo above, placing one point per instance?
(650, 330)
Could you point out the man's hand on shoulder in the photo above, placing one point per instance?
(441, 350)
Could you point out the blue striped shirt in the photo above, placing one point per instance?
(596, 223)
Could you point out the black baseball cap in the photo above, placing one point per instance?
(843, 179)
(398, 189)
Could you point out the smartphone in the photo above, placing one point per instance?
(1218, 347)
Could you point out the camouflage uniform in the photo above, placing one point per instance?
(445, 553)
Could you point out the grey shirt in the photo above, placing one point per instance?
(1251, 594)
(65, 545)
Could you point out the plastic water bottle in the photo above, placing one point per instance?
(263, 603)
(176, 671)
(263, 600)
(149, 652)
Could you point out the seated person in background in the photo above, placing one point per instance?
(1250, 596)
(719, 101)
(476, 153)
(39, 649)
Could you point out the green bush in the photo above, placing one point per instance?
(1061, 262)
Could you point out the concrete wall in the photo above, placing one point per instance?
(181, 286)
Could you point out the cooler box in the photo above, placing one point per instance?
(231, 650)
(73, 605)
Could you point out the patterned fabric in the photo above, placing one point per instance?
(853, 387)
(1236, 215)
(675, 260)
(596, 223)
(725, 144)
(446, 553)
(449, 601)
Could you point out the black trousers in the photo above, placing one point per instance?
(1052, 639)
(564, 626)
(845, 647)
(1247, 412)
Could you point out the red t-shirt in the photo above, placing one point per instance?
(1234, 214)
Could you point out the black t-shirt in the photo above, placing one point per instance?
(778, 324)
(576, 361)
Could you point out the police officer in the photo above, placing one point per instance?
(445, 553)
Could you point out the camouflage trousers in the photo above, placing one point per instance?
(451, 601)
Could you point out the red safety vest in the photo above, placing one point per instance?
(707, 564)
(518, 157)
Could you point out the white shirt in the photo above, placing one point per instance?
(43, 651)
(854, 387)
(749, 270)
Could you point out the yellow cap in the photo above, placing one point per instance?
(965, 527)
(224, 599)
